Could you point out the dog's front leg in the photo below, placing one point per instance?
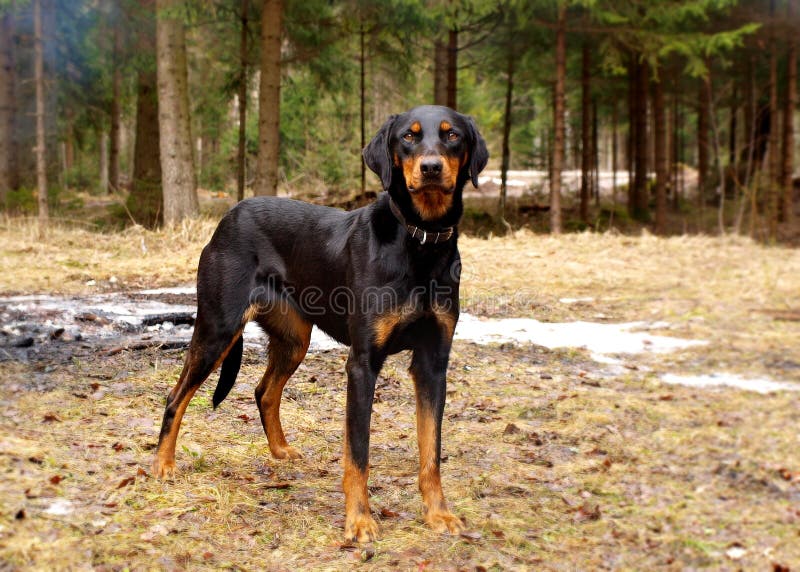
(429, 368)
(361, 375)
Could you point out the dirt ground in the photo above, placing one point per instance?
(554, 461)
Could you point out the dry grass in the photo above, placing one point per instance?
(555, 463)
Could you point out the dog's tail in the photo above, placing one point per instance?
(229, 371)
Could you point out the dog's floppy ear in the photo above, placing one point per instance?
(479, 154)
(376, 153)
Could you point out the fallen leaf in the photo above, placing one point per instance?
(386, 513)
(20, 514)
(125, 482)
(587, 512)
(511, 429)
(279, 485)
(118, 446)
(50, 417)
(55, 479)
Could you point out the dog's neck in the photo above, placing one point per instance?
(423, 236)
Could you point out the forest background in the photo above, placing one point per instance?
(678, 116)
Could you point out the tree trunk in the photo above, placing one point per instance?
(177, 162)
(773, 141)
(614, 153)
(9, 170)
(661, 161)
(586, 145)
(559, 111)
(702, 143)
(595, 186)
(102, 137)
(41, 143)
(115, 111)
(787, 206)
(363, 104)
(269, 99)
(452, 69)
(145, 200)
(633, 113)
(439, 72)
(241, 153)
(640, 206)
(506, 159)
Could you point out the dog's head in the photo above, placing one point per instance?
(425, 156)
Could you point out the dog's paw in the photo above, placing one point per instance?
(287, 452)
(361, 528)
(164, 468)
(444, 521)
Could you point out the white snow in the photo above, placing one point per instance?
(600, 339)
(757, 384)
(60, 507)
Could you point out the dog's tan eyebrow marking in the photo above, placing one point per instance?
(416, 127)
(445, 126)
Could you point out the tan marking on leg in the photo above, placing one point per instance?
(164, 462)
(295, 336)
(446, 320)
(386, 323)
(359, 524)
(437, 515)
(249, 314)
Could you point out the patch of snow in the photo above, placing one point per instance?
(190, 290)
(602, 339)
(759, 385)
(60, 507)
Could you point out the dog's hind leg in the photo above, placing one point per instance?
(208, 349)
(289, 337)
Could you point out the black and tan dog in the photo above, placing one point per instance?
(381, 279)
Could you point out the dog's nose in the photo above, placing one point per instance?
(431, 167)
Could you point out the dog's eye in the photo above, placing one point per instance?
(452, 136)
(408, 137)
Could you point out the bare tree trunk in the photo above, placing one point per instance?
(439, 72)
(614, 153)
(115, 111)
(269, 99)
(787, 206)
(145, 199)
(9, 169)
(595, 180)
(715, 132)
(559, 111)
(661, 161)
(506, 159)
(41, 144)
(702, 143)
(452, 69)
(241, 152)
(177, 162)
(640, 206)
(586, 146)
(102, 137)
(363, 105)
(633, 112)
(773, 142)
(751, 124)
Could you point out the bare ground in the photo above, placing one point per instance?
(553, 462)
